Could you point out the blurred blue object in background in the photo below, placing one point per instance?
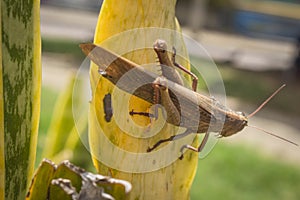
(264, 25)
(268, 19)
(92, 5)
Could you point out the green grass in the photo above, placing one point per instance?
(236, 172)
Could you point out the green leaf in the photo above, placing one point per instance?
(20, 87)
(41, 181)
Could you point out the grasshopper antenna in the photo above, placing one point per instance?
(274, 135)
(260, 107)
(266, 101)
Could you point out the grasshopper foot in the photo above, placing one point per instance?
(149, 149)
(181, 151)
(181, 157)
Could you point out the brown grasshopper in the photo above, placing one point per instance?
(233, 122)
(196, 112)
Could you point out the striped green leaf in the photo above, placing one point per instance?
(20, 83)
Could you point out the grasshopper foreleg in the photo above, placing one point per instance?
(158, 84)
(146, 114)
(194, 77)
(155, 100)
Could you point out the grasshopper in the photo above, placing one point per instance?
(234, 122)
(211, 116)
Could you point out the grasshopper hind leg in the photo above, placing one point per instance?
(172, 138)
(205, 147)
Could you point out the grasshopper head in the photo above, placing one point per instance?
(160, 46)
(234, 123)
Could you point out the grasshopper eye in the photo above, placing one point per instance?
(240, 113)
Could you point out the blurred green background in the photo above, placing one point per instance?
(249, 165)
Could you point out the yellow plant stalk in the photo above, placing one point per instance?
(20, 86)
(174, 180)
